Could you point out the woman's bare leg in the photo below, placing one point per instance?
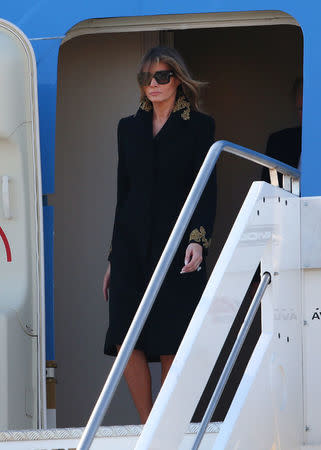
(137, 375)
(166, 362)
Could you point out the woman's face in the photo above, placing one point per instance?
(157, 93)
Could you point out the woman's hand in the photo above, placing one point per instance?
(106, 282)
(193, 258)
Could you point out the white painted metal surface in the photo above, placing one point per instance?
(267, 227)
(311, 232)
(6, 197)
(22, 376)
(177, 21)
(311, 447)
(311, 263)
(270, 395)
(311, 354)
(234, 353)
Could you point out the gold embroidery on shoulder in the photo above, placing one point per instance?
(182, 103)
(200, 237)
(146, 105)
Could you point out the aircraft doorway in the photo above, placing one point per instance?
(250, 71)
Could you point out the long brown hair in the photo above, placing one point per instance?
(189, 86)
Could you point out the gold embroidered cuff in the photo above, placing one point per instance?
(199, 236)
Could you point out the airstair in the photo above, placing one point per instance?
(276, 404)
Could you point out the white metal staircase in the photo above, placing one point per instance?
(264, 397)
(275, 406)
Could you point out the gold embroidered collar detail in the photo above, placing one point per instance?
(181, 104)
(184, 105)
(146, 105)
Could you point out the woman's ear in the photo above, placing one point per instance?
(178, 83)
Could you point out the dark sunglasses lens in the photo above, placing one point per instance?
(144, 78)
(163, 76)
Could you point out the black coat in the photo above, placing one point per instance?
(155, 175)
(285, 146)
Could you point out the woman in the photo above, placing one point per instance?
(161, 149)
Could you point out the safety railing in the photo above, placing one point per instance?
(266, 279)
(291, 178)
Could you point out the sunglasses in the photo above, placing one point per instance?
(161, 77)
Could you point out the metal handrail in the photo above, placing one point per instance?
(161, 269)
(265, 280)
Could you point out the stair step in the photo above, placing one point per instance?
(123, 437)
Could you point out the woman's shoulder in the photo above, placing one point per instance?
(126, 121)
(201, 119)
(130, 122)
